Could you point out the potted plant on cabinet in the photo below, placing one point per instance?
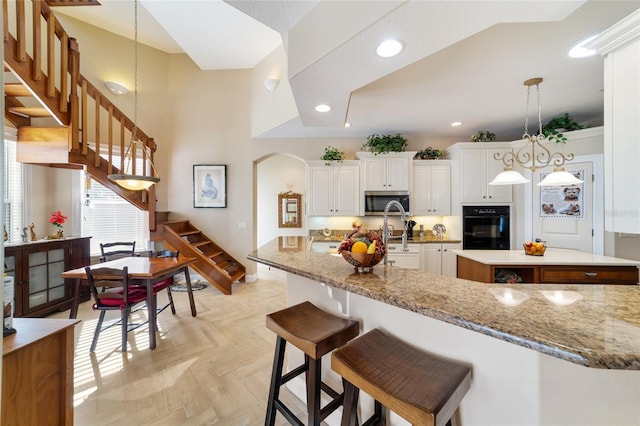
(483, 136)
(429, 153)
(332, 154)
(552, 130)
(383, 144)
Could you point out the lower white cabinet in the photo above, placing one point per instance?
(439, 258)
(404, 259)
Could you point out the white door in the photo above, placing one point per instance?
(563, 216)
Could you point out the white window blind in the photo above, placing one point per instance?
(109, 218)
(12, 190)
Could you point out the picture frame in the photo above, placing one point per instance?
(289, 210)
(209, 185)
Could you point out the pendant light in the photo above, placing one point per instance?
(533, 155)
(130, 181)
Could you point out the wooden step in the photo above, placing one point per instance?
(16, 89)
(28, 112)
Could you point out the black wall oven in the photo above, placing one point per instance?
(485, 228)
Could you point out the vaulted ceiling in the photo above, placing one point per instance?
(462, 60)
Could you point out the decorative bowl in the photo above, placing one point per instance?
(363, 262)
(537, 249)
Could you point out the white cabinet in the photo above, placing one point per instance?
(409, 259)
(620, 46)
(431, 194)
(329, 247)
(386, 172)
(478, 167)
(333, 190)
(439, 258)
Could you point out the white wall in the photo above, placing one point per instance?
(277, 174)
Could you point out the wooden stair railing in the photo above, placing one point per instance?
(217, 266)
(96, 125)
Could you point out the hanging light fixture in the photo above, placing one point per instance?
(533, 155)
(131, 181)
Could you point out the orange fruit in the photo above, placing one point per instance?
(359, 247)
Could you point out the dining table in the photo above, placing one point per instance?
(147, 270)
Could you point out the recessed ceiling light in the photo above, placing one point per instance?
(323, 108)
(456, 124)
(389, 48)
(579, 51)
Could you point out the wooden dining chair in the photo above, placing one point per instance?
(111, 251)
(166, 283)
(111, 290)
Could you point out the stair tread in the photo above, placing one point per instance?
(30, 111)
(201, 243)
(16, 89)
(185, 233)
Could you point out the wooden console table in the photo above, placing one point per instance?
(37, 372)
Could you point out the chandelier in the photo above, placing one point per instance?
(131, 181)
(533, 155)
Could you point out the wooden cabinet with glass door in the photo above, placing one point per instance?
(36, 268)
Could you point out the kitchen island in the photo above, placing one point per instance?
(541, 354)
(557, 266)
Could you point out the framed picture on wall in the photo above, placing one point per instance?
(209, 185)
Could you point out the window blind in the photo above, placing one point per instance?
(12, 190)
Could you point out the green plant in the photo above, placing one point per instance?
(332, 153)
(382, 144)
(483, 136)
(429, 154)
(551, 130)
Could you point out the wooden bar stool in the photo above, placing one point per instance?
(421, 388)
(316, 333)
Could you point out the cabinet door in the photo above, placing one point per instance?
(421, 194)
(375, 170)
(441, 190)
(433, 258)
(449, 259)
(473, 171)
(42, 284)
(346, 191)
(497, 193)
(397, 173)
(320, 191)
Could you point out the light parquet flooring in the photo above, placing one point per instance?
(213, 369)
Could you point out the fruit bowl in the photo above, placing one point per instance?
(534, 249)
(363, 262)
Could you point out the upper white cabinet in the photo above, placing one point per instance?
(386, 172)
(477, 167)
(620, 45)
(333, 190)
(431, 194)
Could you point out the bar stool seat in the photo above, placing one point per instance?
(421, 388)
(316, 333)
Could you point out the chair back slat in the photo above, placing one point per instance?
(102, 278)
(116, 250)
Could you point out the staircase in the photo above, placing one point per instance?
(217, 266)
(65, 121)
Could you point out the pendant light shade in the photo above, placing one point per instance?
(509, 177)
(134, 182)
(560, 177)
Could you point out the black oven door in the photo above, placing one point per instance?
(486, 228)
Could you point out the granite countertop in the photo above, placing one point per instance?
(552, 256)
(596, 326)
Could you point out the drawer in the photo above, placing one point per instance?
(589, 274)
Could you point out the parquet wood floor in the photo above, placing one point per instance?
(213, 369)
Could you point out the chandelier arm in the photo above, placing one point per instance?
(506, 158)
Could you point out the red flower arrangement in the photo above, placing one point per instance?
(57, 219)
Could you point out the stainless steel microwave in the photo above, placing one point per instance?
(376, 201)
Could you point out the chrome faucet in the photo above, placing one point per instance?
(385, 226)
